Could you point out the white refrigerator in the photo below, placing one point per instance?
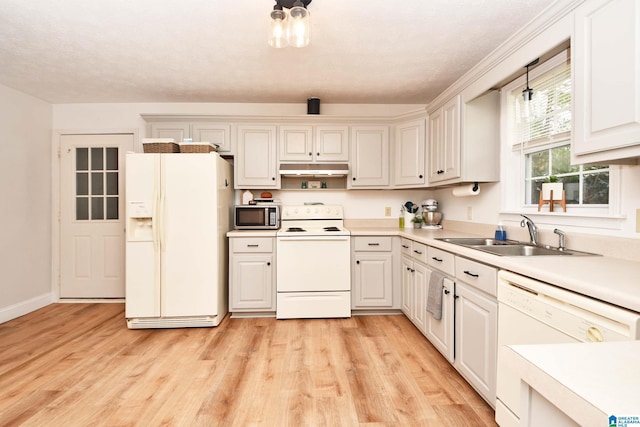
(178, 213)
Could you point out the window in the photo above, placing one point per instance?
(540, 144)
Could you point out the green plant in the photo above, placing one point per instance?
(552, 178)
(417, 219)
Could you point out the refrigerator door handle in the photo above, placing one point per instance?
(154, 221)
(163, 243)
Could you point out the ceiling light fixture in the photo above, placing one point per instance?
(527, 93)
(291, 28)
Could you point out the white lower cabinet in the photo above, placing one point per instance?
(252, 274)
(466, 334)
(440, 332)
(374, 269)
(476, 326)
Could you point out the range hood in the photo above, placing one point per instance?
(314, 169)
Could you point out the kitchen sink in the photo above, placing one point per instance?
(510, 247)
(477, 241)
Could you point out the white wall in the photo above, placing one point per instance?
(25, 191)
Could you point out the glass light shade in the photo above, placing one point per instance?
(278, 29)
(527, 95)
(299, 26)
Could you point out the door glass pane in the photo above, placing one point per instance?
(112, 208)
(97, 185)
(82, 184)
(82, 208)
(96, 159)
(97, 208)
(82, 159)
(112, 159)
(112, 183)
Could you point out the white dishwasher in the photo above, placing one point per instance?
(533, 312)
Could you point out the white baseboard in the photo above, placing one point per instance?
(25, 307)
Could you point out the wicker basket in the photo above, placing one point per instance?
(160, 145)
(197, 147)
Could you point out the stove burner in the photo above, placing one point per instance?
(331, 229)
(295, 230)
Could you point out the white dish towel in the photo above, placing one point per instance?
(434, 297)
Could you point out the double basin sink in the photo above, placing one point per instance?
(509, 247)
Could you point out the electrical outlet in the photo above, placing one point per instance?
(469, 213)
(387, 211)
(637, 220)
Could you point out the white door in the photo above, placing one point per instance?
(92, 215)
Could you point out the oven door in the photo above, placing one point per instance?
(313, 264)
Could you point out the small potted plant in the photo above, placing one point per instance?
(551, 184)
(417, 221)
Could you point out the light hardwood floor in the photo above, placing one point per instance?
(78, 365)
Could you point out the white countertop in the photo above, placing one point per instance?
(608, 279)
(587, 381)
(613, 280)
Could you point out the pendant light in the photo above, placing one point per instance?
(527, 93)
(291, 28)
(278, 27)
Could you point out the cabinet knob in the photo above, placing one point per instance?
(310, 153)
(440, 172)
(318, 154)
(420, 176)
(447, 292)
(268, 263)
(471, 274)
(354, 178)
(358, 262)
(273, 178)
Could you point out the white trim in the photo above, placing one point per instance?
(25, 307)
(55, 193)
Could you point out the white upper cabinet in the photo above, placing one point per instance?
(444, 140)
(464, 141)
(369, 157)
(605, 51)
(256, 160)
(409, 150)
(176, 130)
(215, 133)
(302, 143)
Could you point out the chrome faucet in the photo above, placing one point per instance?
(533, 229)
(561, 235)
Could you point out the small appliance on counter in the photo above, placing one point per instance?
(431, 215)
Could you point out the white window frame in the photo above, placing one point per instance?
(513, 171)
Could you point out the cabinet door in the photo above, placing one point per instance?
(255, 162)
(331, 143)
(252, 282)
(475, 339)
(605, 51)
(216, 133)
(444, 151)
(407, 287)
(296, 143)
(420, 282)
(440, 332)
(369, 157)
(176, 130)
(373, 285)
(409, 149)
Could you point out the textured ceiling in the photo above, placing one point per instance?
(361, 51)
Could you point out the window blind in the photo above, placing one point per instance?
(550, 109)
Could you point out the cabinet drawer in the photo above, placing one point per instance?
(373, 244)
(419, 252)
(252, 244)
(478, 275)
(442, 260)
(405, 245)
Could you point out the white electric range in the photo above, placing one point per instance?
(313, 267)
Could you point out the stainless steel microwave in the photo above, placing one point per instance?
(256, 217)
